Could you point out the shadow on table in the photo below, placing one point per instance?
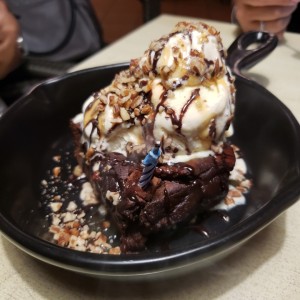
(209, 282)
(296, 53)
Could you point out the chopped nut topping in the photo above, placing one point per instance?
(114, 197)
(90, 152)
(56, 171)
(77, 171)
(116, 110)
(229, 201)
(146, 109)
(137, 112)
(55, 206)
(124, 114)
(57, 158)
(57, 198)
(115, 250)
(72, 206)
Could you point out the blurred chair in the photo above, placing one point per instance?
(151, 9)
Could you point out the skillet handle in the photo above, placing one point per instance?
(241, 56)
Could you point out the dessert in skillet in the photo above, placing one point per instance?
(153, 143)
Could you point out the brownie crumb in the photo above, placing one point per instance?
(76, 219)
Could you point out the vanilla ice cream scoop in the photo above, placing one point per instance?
(179, 93)
(189, 55)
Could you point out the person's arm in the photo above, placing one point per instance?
(270, 15)
(10, 54)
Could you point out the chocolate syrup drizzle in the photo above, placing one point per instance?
(195, 94)
(176, 120)
(157, 53)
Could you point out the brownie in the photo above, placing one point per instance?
(175, 195)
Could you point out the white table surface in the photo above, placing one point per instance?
(266, 267)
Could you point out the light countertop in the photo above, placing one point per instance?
(266, 267)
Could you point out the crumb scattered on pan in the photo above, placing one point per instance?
(239, 185)
(71, 217)
(78, 221)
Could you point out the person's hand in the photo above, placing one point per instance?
(269, 15)
(10, 55)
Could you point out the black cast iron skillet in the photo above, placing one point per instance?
(37, 126)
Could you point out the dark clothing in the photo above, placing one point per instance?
(294, 25)
(56, 35)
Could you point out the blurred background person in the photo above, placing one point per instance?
(10, 53)
(276, 16)
(42, 39)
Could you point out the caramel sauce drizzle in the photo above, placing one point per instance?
(176, 121)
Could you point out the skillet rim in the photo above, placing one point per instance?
(128, 264)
